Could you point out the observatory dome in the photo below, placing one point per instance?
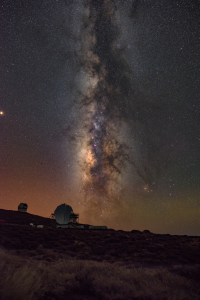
(22, 207)
(62, 213)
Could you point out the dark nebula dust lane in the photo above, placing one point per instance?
(99, 109)
(110, 101)
(106, 104)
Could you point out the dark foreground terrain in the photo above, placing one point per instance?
(94, 264)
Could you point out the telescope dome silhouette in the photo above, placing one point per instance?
(62, 213)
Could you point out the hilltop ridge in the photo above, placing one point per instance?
(130, 247)
(24, 218)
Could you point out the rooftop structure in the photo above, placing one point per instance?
(22, 207)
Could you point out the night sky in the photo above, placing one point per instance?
(100, 109)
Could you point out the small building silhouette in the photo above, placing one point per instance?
(22, 207)
(66, 218)
(74, 218)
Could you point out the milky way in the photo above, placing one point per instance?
(100, 103)
(108, 102)
(105, 104)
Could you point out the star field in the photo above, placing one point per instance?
(99, 109)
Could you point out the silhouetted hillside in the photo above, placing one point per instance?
(135, 247)
(24, 218)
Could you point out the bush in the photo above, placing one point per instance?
(75, 279)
